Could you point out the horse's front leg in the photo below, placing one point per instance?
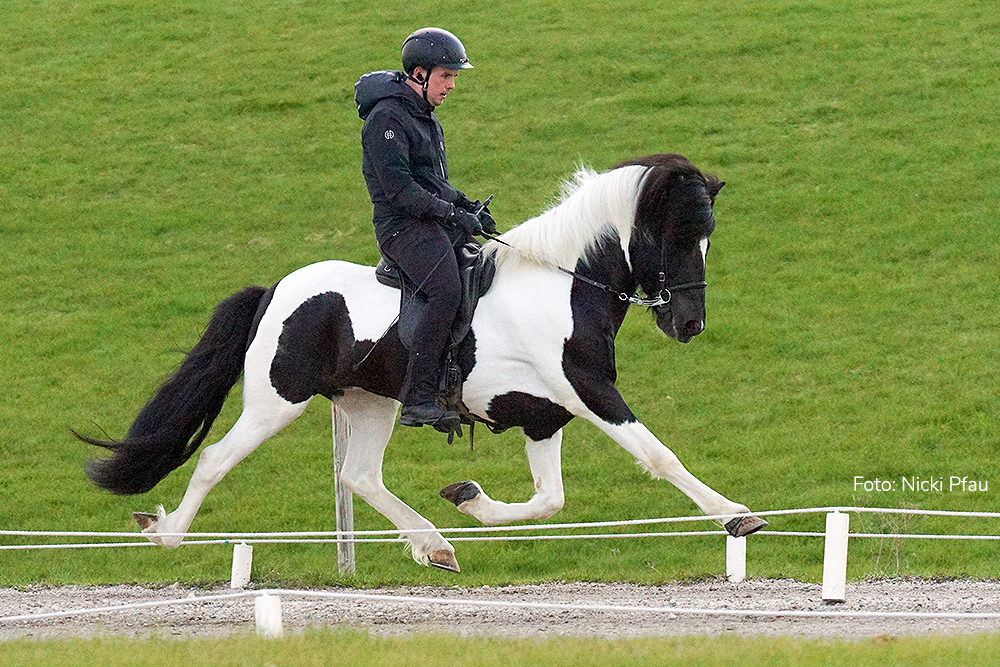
(372, 419)
(544, 460)
(664, 464)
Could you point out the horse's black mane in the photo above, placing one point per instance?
(676, 198)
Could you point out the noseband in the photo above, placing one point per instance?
(658, 299)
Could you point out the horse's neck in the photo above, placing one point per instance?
(606, 263)
(594, 208)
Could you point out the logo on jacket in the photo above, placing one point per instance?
(389, 134)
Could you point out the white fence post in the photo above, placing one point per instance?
(736, 559)
(344, 497)
(242, 560)
(835, 557)
(267, 615)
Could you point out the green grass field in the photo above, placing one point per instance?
(156, 157)
(336, 648)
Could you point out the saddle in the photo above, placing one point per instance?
(476, 270)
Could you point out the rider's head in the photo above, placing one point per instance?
(432, 58)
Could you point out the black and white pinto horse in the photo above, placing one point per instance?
(541, 351)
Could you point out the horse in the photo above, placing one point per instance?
(540, 352)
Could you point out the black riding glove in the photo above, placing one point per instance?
(467, 204)
(489, 225)
(468, 223)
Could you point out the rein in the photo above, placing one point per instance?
(661, 298)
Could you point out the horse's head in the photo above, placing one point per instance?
(669, 242)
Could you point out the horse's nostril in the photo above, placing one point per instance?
(695, 326)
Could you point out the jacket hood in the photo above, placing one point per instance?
(374, 87)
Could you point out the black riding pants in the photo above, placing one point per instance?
(426, 255)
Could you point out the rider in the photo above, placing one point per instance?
(419, 216)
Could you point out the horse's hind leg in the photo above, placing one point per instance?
(263, 416)
(544, 459)
(371, 420)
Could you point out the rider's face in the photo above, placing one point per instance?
(441, 82)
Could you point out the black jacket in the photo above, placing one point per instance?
(403, 161)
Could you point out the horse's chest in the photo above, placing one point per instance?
(520, 329)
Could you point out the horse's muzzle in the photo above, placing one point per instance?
(691, 329)
(682, 334)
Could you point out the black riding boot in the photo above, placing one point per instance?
(431, 414)
(420, 401)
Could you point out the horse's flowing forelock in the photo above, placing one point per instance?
(592, 207)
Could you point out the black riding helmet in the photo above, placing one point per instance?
(433, 47)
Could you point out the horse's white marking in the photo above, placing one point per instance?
(529, 331)
(662, 463)
(544, 458)
(372, 305)
(372, 419)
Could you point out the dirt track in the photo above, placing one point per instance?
(213, 619)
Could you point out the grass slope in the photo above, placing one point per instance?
(155, 158)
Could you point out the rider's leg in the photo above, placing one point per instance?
(425, 254)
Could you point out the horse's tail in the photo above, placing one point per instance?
(173, 424)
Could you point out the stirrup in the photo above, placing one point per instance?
(388, 273)
(431, 414)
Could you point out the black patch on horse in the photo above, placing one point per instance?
(380, 366)
(314, 349)
(540, 418)
(589, 353)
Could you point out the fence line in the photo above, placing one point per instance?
(225, 538)
(42, 616)
(497, 604)
(835, 537)
(495, 538)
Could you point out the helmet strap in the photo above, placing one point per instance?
(423, 81)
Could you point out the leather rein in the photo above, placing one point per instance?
(661, 298)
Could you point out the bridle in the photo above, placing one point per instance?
(662, 297)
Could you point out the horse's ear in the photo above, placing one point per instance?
(714, 185)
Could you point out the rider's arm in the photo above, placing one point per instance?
(385, 143)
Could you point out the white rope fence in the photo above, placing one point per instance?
(268, 607)
(835, 555)
(358, 535)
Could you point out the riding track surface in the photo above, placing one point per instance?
(387, 618)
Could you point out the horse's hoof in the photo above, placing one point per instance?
(445, 560)
(461, 492)
(144, 519)
(148, 523)
(742, 526)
